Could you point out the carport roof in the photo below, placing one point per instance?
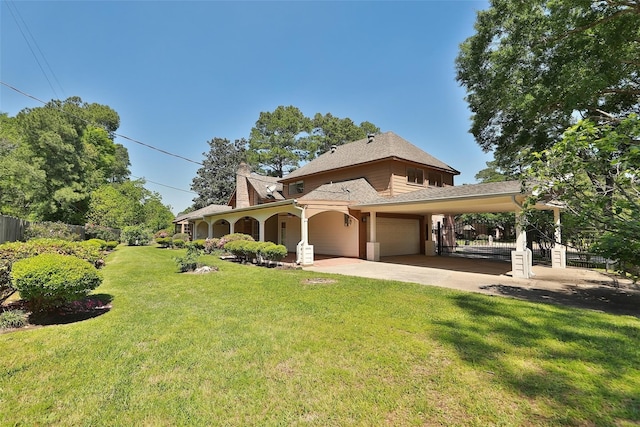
(470, 198)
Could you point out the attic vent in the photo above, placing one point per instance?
(371, 137)
(333, 148)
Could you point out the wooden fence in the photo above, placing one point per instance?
(12, 229)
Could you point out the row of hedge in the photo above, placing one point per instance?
(263, 252)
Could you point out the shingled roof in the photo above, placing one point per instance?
(207, 210)
(453, 192)
(384, 146)
(261, 183)
(356, 190)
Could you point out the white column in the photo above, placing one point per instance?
(521, 258)
(373, 247)
(210, 232)
(304, 250)
(558, 252)
(232, 227)
(261, 230)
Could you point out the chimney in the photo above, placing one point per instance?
(242, 189)
(333, 148)
(371, 137)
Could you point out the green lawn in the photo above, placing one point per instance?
(256, 346)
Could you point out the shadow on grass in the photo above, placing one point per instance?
(582, 365)
(602, 298)
(87, 308)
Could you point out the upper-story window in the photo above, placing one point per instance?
(435, 179)
(415, 176)
(296, 187)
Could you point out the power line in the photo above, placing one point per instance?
(114, 133)
(15, 12)
(164, 185)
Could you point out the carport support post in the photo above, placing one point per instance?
(558, 252)
(521, 258)
(430, 245)
(373, 247)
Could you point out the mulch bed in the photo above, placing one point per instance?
(87, 308)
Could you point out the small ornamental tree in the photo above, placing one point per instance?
(50, 280)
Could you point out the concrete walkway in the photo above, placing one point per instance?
(571, 285)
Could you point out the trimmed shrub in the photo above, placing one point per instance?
(272, 252)
(95, 243)
(247, 250)
(112, 244)
(135, 235)
(14, 251)
(237, 248)
(13, 319)
(232, 238)
(199, 243)
(50, 280)
(164, 242)
(179, 243)
(181, 236)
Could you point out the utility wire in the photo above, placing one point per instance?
(15, 12)
(164, 185)
(114, 133)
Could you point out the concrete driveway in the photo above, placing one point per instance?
(573, 286)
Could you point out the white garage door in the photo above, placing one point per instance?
(398, 236)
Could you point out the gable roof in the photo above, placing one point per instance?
(384, 146)
(356, 190)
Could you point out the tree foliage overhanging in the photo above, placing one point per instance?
(535, 66)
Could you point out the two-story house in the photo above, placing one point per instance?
(374, 197)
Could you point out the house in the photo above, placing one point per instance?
(370, 198)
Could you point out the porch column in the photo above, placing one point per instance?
(304, 251)
(559, 251)
(373, 247)
(210, 232)
(261, 230)
(430, 245)
(232, 227)
(521, 258)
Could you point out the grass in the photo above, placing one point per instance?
(256, 346)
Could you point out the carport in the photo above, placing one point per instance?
(494, 197)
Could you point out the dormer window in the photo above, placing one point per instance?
(296, 187)
(415, 176)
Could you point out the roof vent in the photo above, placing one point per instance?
(371, 137)
(333, 148)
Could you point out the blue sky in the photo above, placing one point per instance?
(182, 73)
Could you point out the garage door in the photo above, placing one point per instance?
(398, 236)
